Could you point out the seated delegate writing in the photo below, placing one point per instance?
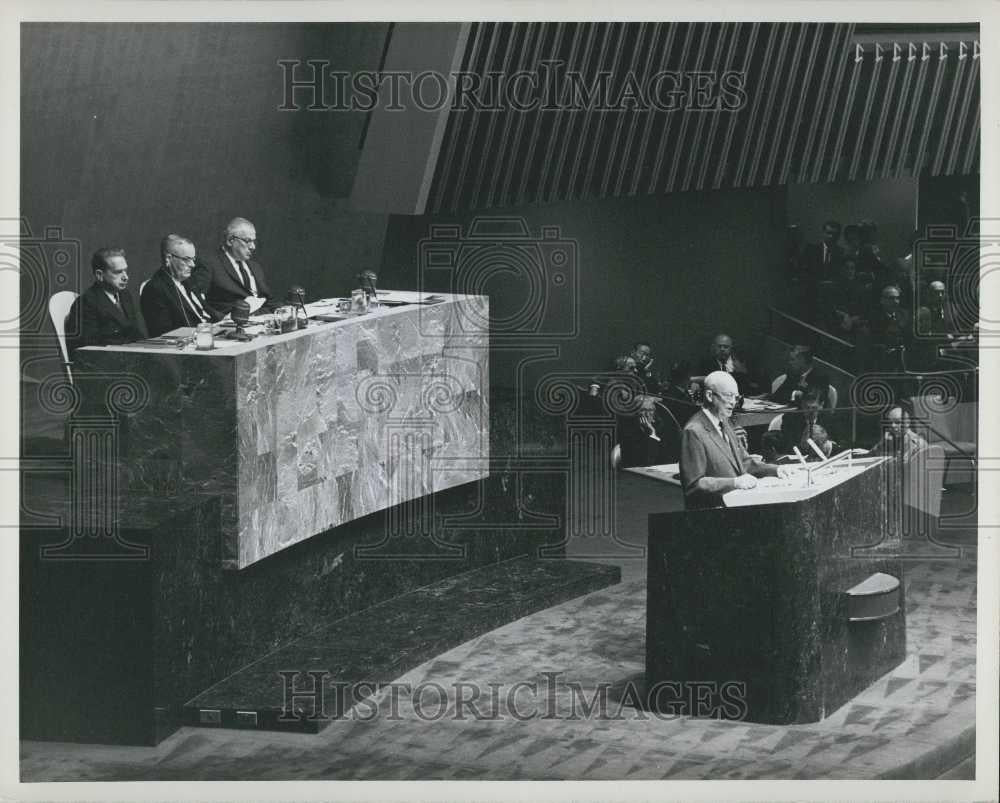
(713, 460)
(796, 429)
(105, 314)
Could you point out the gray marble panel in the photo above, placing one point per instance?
(303, 432)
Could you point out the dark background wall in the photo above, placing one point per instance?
(673, 269)
(891, 203)
(130, 132)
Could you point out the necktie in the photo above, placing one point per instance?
(248, 281)
(192, 299)
(725, 438)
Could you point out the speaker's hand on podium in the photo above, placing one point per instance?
(745, 482)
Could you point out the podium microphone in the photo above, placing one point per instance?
(819, 452)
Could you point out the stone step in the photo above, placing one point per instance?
(350, 657)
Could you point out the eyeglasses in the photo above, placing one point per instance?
(185, 260)
(246, 240)
(730, 397)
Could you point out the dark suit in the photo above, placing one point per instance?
(705, 454)
(820, 265)
(793, 433)
(887, 334)
(95, 320)
(933, 325)
(221, 285)
(164, 309)
(814, 379)
(743, 379)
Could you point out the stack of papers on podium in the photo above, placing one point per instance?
(763, 405)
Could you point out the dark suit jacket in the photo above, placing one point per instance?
(813, 268)
(705, 454)
(217, 279)
(814, 379)
(95, 320)
(163, 308)
(793, 426)
(744, 380)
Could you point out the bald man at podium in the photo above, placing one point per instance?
(713, 459)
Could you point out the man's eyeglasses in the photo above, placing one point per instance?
(246, 240)
(185, 260)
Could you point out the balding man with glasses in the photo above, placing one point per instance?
(231, 274)
(169, 301)
(713, 458)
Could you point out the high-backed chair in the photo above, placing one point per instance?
(143, 286)
(59, 307)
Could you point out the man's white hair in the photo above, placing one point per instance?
(236, 225)
(721, 382)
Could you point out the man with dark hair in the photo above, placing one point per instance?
(680, 387)
(794, 430)
(713, 460)
(642, 353)
(232, 274)
(852, 241)
(168, 301)
(802, 375)
(821, 260)
(105, 314)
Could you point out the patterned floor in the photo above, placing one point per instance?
(535, 679)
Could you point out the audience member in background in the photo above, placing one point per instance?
(802, 375)
(680, 387)
(105, 314)
(870, 255)
(713, 461)
(851, 300)
(821, 260)
(935, 317)
(723, 358)
(852, 242)
(167, 301)
(890, 332)
(232, 274)
(936, 327)
(796, 429)
(642, 353)
(899, 439)
(637, 434)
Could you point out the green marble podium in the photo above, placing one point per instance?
(771, 609)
